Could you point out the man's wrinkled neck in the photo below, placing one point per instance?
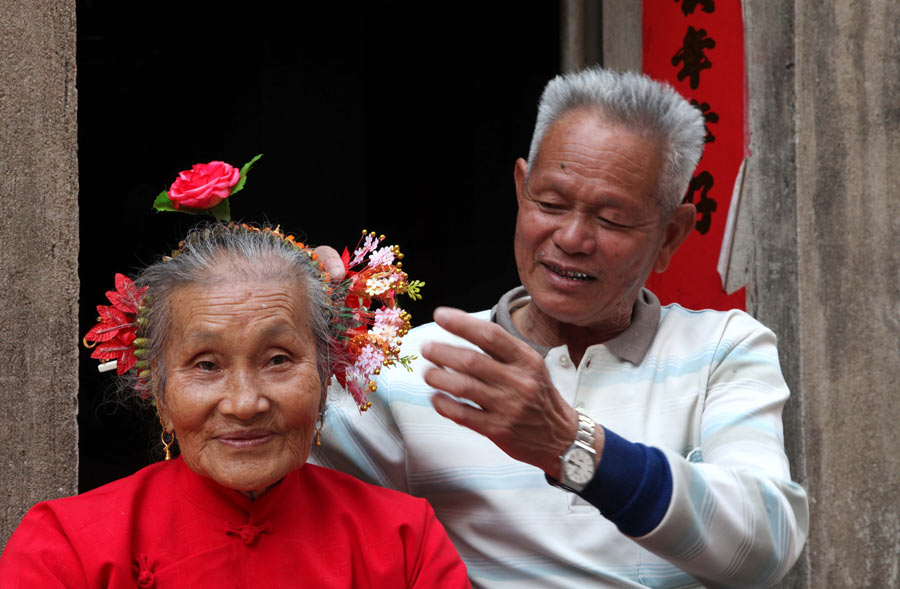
(543, 329)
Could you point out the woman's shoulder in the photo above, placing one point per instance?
(350, 486)
(61, 538)
(107, 500)
(366, 504)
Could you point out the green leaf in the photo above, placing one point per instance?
(222, 211)
(162, 202)
(243, 179)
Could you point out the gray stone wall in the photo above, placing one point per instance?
(765, 254)
(38, 256)
(848, 175)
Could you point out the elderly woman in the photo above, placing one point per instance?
(235, 353)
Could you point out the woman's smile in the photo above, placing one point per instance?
(246, 439)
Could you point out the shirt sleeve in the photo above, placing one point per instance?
(735, 518)
(632, 487)
(436, 563)
(39, 554)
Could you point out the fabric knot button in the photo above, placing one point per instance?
(144, 576)
(248, 533)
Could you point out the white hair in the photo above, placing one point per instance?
(216, 252)
(649, 108)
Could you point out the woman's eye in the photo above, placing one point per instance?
(205, 366)
(278, 360)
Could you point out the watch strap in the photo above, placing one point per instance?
(584, 441)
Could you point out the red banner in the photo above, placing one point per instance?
(697, 46)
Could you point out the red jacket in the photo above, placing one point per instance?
(166, 526)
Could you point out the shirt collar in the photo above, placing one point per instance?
(631, 345)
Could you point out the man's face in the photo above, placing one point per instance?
(589, 231)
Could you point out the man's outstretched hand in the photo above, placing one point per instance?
(519, 409)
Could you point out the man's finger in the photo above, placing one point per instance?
(465, 361)
(332, 262)
(488, 336)
(458, 385)
(461, 413)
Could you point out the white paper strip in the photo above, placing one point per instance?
(724, 263)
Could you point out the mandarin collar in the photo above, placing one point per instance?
(631, 345)
(228, 504)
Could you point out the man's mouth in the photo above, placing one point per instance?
(566, 273)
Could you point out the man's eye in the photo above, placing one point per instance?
(205, 366)
(549, 206)
(610, 223)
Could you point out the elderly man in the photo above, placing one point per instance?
(579, 434)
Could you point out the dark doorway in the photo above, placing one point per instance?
(401, 117)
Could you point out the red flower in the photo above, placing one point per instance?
(116, 328)
(204, 185)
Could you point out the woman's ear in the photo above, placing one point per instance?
(164, 419)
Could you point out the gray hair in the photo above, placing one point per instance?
(251, 254)
(647, 107)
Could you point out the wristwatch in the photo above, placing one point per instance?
(577, 464)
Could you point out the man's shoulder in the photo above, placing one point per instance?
(676, 313)
(433, 332)
(706, 325)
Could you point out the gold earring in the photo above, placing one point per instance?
(167, 445)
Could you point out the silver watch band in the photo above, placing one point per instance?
(584, 442)
(586, 427)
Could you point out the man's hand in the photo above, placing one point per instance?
(332, 262)
(520, 409)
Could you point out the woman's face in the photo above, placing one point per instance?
(242, 390)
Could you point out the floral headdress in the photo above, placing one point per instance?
(367, 325)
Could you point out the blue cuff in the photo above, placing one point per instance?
(632, 486)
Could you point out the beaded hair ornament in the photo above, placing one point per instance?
(367, 324)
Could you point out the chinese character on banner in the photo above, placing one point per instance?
(697, 46)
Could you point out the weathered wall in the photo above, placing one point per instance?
(38, 256)
(848, 175)
(622, 50)
(765, 251)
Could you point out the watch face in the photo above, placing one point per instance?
(579, 466)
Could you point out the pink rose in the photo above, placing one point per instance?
(203, 186)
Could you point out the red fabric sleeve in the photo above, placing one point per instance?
(436, 563)
(40, 555)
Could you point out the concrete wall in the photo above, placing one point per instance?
(38, 256)
(622, 50)
(765, 253)
(848, 202)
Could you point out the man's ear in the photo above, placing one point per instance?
(520, 173)
(680, 225)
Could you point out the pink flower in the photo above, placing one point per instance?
(382, 257)
(369, 360)
(203, 186)
(359, 254)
